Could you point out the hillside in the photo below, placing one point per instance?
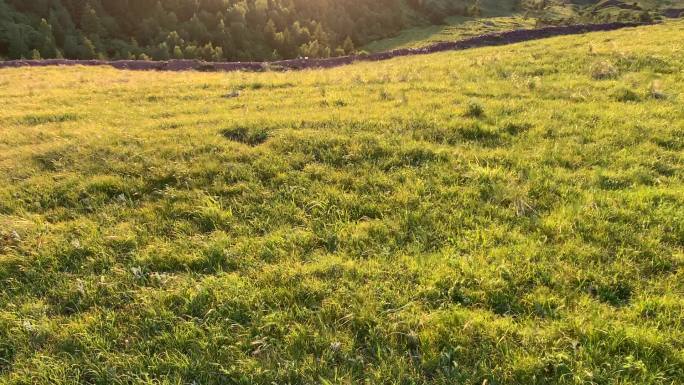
(504, 15)
(266, 30)
(502, 215)
(213, 30)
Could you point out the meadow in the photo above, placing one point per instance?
(504, 15)
(502, 215)
(494, 16)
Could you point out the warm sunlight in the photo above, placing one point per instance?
(409, 192)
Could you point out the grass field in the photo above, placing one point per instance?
(505, 15)
(497, 15)
(455, 28)
(504, 215)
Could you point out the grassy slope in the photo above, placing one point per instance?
(497, 15)
(501, 15)
(358, 223)
(455, 28)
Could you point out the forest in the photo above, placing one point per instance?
(211, 30)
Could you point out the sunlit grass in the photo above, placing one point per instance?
(502, 215)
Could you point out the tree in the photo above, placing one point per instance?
(60, 22)
(197, 30)
(48, 47)
(173, 39)
(160, 52)
(16, 41)
(242, 29)
(72, 48)
(190, 52)
(177, 52)
(90, 22)
(87, 49)
(348, 46)
(320, 35)
(270, 31)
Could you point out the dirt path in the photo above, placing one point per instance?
(491, 39)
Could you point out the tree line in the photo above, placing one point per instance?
(212, 30)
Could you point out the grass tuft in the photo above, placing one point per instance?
(38, 119)
(252, 136)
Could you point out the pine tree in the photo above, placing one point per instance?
(348, 46)
(75, 9)
(87, 50)
(320, 35)
(90, 22)
(58, 29)
(16, 41)
(270, 31)
(198, 31)
(48, 47)
(72, 49)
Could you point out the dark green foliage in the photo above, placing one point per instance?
(203, 29)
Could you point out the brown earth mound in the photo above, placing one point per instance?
(490, 39)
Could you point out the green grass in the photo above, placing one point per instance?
(455, 28)
(498, 15)
(502, 215)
